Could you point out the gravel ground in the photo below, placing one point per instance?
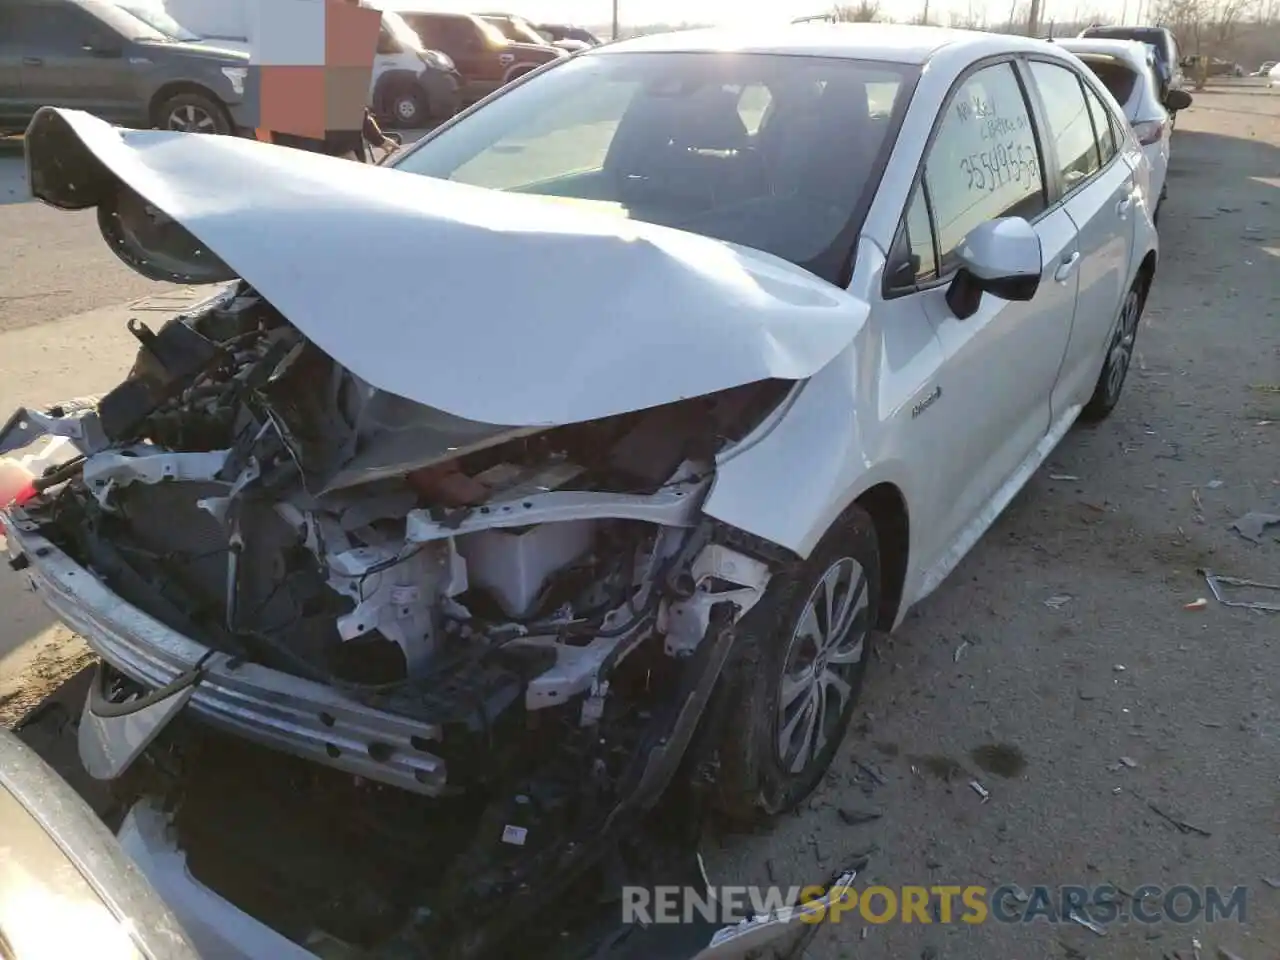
(1039, 703)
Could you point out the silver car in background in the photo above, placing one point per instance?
(1127, 68)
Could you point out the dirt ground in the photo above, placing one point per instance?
(1040, 702)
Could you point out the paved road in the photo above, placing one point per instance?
(53, 263)
(1039, 703)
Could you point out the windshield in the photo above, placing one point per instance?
(124, 23)
(401, 31)
(525, 32)
(773, 152)
(155, 16)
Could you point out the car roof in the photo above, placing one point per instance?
(894, 43)
(1135, 52)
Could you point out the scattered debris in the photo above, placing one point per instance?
(870, 773)
(1064, 477)
(1198, 604)
(1265, 387)
(853, 817)
(1119, 668)
(1225, 954)
(1129, 762)
(1214, 484)
(1057, 602)
(1272, 883)
(980, 790)
(1216, 583)
(964, 645)
(1086, 923)
(1212, 724)
(1254, 524)
(1181, 825)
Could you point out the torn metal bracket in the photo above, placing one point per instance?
(77, 420)
(673, 506)
(107, 471)
(1216, 583)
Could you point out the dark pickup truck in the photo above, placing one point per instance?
(484, 57)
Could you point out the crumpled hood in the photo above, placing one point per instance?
(495, 307)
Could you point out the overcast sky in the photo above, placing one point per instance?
(731, 11)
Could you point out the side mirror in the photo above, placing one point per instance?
(1000, 257)
(1176, 100)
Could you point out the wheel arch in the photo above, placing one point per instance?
(174, 88)
(886, 505)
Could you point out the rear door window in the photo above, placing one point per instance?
(1070, 126)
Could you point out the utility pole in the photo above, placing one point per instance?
(614, 35)
(1033, 21)
(925, 17)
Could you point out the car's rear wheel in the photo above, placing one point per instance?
(796, 673)
(193, 113)
(1115, 368)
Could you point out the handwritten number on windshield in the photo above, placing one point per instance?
(999, 166)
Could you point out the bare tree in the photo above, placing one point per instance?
(974, 17)
(865, 11)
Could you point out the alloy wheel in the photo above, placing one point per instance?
(823, 661)
(189, 118)
(1122, 345)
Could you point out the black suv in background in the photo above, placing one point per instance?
(95, 56)
(485, 58)
(1160, 39)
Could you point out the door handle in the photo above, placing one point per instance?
(1065, 268)
(1123, 207)
(32, 62)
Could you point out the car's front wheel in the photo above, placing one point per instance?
(1115, 367)
(797, 671)
(192, 113)
(407, 107)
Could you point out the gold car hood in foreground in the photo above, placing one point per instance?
(67, 890)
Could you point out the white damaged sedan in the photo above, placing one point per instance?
(577, 459)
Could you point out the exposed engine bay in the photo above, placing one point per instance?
(549, 606)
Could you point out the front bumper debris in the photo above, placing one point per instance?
(265, 706)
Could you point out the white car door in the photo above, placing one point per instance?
(1100, 194)
(991, 405)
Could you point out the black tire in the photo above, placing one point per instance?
(193, 113)
(755, 781)
(1115, 367)
(406, 107)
